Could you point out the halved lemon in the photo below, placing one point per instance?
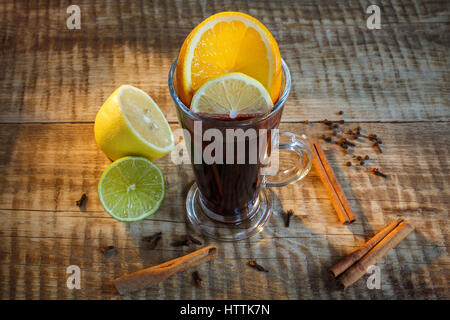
(130, 123)
(228, 42)
(232, 95)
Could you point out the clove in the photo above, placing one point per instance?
(377, 172)
(187, 241)
(377, 146)
(253, 264)
(194, 240)
(81, 203)
(152, 240)
(289, 214)
(327, 139)
(108, 252)
(197, 279)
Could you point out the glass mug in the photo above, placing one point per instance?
(230, 200)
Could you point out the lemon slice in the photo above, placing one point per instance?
(232, 95)
(131, 189)
(130, 123)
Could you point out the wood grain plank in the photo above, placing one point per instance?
(48, 167)
(45, 255)
(44, 168)
(52, 74)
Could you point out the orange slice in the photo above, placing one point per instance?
(228, 42)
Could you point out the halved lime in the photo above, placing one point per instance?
(131, 188)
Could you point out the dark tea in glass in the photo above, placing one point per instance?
(229, 199)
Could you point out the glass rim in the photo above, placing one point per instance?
(226, 123)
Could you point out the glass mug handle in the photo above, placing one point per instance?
(299, 169)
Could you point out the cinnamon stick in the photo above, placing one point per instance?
(376, 253)
(337, 196)
(146, 277)
(356, 255)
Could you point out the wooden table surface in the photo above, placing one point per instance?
(393, 82)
